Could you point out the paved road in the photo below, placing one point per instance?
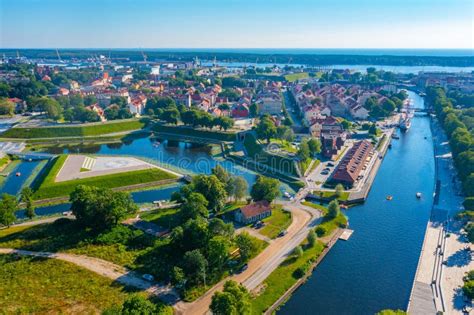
(260, 267)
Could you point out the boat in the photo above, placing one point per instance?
(418, 195)
(287, 194)
(389, 197)
(18, 174)
(389, 145)
(394, 136)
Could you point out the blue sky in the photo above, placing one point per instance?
(236, 24)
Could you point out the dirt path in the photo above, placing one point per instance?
(103, 268)
(261, 266)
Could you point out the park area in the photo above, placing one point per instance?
(61, 175)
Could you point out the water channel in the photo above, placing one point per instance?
(375, 269)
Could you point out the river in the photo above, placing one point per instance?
(375, 269)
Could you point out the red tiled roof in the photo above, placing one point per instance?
(255, 209)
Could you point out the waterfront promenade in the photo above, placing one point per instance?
(443, 260)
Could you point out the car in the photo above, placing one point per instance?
(282, 233)
(324, 172)
(148, 277)
(330, 164)
(258, 225)
(243, 268)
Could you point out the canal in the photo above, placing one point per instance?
(182, 157)
(375, 269)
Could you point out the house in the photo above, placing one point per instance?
(352, 164)
(97, 109)
(20, 105)
(240, 110)
(137, 106)
(253, 212)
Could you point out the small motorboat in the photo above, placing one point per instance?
(389, 197)
(389, 145)
(418, 195)
(18, 174)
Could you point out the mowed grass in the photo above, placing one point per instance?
(282, 278)
(31, 285)
(94, 129)
(167, 218)
(332, 195)
(45, 186)
(277, 222)
(296, 76)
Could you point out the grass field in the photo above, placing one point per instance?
(282, 278)
(46, 187)
(94, 129)
(277, 222)
(52, 238)
(46, 286)
(167, 218)
(296, 76)
(277, 162)
(332, 195)
(194, 132)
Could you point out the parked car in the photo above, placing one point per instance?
(243, 268)
(148, 277)
(324, 172)
(282, 233)
(258, 225)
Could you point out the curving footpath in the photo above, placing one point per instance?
(103, 268)
(259, 268)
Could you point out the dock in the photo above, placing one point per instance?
(346, 234)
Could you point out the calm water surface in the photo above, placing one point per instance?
(375, 269)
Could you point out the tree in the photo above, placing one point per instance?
(373, 129)
(217, 227)
(26, 196)
(178, 278)
(100, 208)
(218, 251)
(265, 188)
(8, 207)
(234, 300)
(311, 238)
(298, 251)
(138, 305)
(254, 110)
(170, 115)
(237, 187)
(303, 151)
(333, 209)
(212, 189)
(266, 129)
(221, 174)
(50, 106)
(246, 246)
(339, 190)
(6, 107)
(194, 266)
(194, 206)
(314, 146)
(224, 122)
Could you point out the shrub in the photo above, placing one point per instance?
(321, 231)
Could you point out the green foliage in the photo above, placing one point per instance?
(26, 196)
(187, 131)
(266, 128)
(8, 207)
(212, 189)
(194, 206)
(311, 238)
(391, 312)
(100, 208)
(6, 107)
(231, 82)
(234, 300)
(247, 247)
(265, 188)
(74, 131)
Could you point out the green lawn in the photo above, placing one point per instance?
(93, 129)
(46, 187)
(327, 226)
(167, 218)
(282, 278)
(316, 206)
(279, 163)
(46, 286)
(196, 132)
(296, 76)
(332, 195)
(278, 221)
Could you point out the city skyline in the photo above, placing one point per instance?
(236, 24)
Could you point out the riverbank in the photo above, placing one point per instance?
(443, 260)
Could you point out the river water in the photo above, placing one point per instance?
(375, 269)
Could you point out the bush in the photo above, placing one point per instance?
(299, 272)
(321, 231)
